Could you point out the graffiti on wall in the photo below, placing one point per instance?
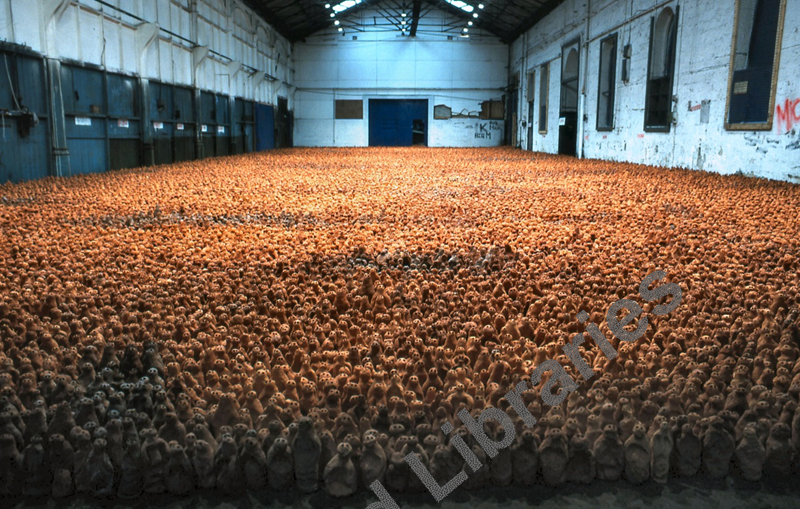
(484, 130)
(788, 115)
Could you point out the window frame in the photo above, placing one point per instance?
(671, 54)
(755, 126)
(613, 86)
(544, 96)
(530, 90)
(345, 109)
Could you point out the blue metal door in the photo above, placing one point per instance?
(398, 122)
(265, 127)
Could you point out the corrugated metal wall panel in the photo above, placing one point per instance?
(223, 132)
(83, 91)
(23, 158)
(184, 143)
(162, 142)
(124, 123)
(122, 97)
(162, 114)
(244, 126)
(24, 153)
(30, 73)
(208, 123)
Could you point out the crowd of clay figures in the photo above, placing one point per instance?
(303, 320)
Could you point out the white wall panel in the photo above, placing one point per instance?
(68, 35)
(227, 27)
(129, 54)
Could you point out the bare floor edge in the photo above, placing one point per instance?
(692, 494)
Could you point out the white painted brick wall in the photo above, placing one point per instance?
(703, 56)
(458, 73)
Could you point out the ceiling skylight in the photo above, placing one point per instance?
(464, 6)
(343, 6)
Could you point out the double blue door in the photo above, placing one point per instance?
(398, 122)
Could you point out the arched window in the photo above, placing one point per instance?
(755, 50)
(662, 41)
(658, 103)
(606, 83)
(569, 80)
(544, 96)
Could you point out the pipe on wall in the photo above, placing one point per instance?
(582, 117)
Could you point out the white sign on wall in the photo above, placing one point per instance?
(203, 128)
(122, 123)
(220, 128)
(179, 127)
(158, 125)
(86, 121)
(562, 121)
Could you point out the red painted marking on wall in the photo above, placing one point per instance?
(789, 115)
(605, 136)
(641, 135)
(696, 107)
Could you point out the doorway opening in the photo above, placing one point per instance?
(398, 122)
(568, 112)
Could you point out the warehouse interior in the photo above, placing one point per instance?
(400, 253)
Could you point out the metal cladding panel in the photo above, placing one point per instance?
(67, 94)
(184, 143)
(223, 145)
(23, 158)
(238, 109)
(87, 155)
(265, 127)
(162, 150)
(249, 138)
(208, 142)
(6, 96)
(83, 90)
(122, 97)
(243, 126)
(223, 110)
(125, 153)
(83, 128)
(161, 105)
(123, 128)
(244, 110)
(208, 108)
(162, 141)
(24, 153)
(85, 124)
(31, 89)
(183, 99)
(223, 129)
